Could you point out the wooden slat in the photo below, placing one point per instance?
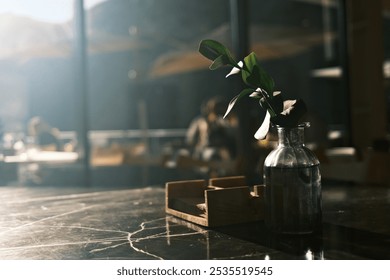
(230, 206)
(226, 182)
(227, 203)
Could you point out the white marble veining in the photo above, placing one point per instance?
(75, 223)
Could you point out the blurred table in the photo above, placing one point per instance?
(37, 156)
(92, 223)
(36, 167)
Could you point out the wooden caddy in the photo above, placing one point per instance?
(221, 201)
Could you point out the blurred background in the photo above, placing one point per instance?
(115, 93)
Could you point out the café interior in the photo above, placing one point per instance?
(100, 99)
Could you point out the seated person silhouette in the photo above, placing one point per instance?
(210, 137)
(44, 136)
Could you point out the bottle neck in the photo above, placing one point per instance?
(291, 136)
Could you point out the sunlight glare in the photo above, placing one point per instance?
(43, 10)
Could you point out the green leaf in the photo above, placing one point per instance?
(266, 81)
(214, 50)
(248, 76)
(257, 94)
(255, 75)
(254, 78)
(218, 62)
(275, 103)
(236, 99)
(250, 61)
(292, 113)
(262, 132)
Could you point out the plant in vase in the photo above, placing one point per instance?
(291, 171)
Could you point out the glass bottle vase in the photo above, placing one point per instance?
(292, 182)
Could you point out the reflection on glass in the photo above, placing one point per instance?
(309, 255)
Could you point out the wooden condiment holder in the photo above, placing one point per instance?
(218, 202)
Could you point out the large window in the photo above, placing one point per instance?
(143, 80)
(146, 77)
(35, 59)
(299, 41)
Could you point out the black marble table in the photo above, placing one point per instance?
(86, 223)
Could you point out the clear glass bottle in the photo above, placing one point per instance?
(292, 185)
